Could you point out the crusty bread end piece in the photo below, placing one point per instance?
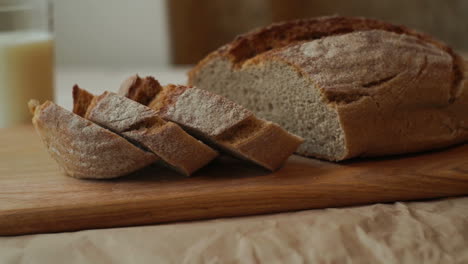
(83, 149)
(81, 100)
(226, 125)
(141, 125)
(141, 90)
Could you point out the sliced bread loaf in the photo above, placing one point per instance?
(142, 126)
(83, 149)
(349, 86)
(226, 125)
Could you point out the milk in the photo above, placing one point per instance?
(26, 72)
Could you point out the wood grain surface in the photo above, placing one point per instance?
(35, 197)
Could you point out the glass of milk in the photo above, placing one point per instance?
(26, 58)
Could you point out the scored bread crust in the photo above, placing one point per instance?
(83, 149)
(226, 125)
(283, 34)
(142, 126)
(393, 90)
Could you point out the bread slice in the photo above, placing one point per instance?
(350, 86)
(83, 149)
(142, 126)
(226, 125)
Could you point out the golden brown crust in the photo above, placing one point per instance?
(284, 34)
(81, 100)
(83, 149)
(260, 141)
(288, 33)
(342, 71)
(141, 90)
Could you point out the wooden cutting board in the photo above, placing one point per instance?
(36, 197)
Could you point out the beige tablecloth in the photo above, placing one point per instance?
(416, 232)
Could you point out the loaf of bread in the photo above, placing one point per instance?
(83, 149)
(349, 86)
(224, 124)
(142, 126)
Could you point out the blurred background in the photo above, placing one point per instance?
(122, 33)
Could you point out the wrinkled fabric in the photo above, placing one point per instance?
(415, 232)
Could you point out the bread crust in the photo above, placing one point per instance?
(269, 147)
(139, 89)
(395, 90)
(81, 100)
(83, 149)
(283, 34)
